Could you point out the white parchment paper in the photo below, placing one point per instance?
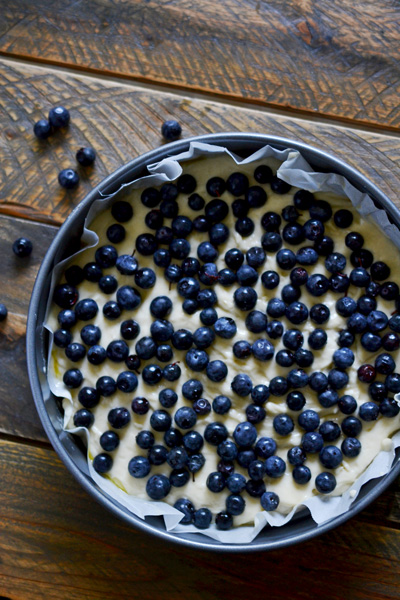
(295, 170)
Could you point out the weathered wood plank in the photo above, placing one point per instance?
(121, 122)
(18, 414)
(339, 59)
(56, 542)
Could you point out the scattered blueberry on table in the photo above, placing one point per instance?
(22, 247)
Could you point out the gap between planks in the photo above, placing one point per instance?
(139, 84)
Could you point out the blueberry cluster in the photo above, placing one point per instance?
(297, 248)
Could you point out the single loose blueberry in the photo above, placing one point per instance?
(59, 117)
(171, 130)
(86, 156)
(22, 247)
(68, 178)
(42, 129)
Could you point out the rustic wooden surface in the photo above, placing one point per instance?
(335, 61)
(338, 59)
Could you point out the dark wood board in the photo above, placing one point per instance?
(68, 546)
(122, 121)
(339, 59)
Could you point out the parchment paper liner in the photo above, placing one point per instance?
(295, 170)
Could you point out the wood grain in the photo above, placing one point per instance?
(18, 414)
(339, 59)
(122, 121)
(57, 543)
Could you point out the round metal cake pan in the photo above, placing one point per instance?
(69, 447)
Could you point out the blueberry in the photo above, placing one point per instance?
(377, 321)
(215, 433)
(127, 382)
(203, 337)
(216, 210)
(62, 338)
(119, 418)
(225, 327)
(279, 186)
(244, 226)
(22, 247)
(357, 323)
(392, 383)
(177, 457)
(86, 156)
(128, 297)
(286, 259)
(245, 434)
(157, 487)
(371, 342)
(309, 420)
(296, 456)
(317, 339)
(361, 258)
(193, 441)
(293, 233)
(75, 352)
(256, 470)
(351, 447)
(380, 271)
(197, 359)
(144, 439)
(317, 284)
(206, 298)
(161, 307)
(359, 277)
(186, 507)
(242, 385)
(192, 389)
(66, 318)
(330, 431)
(325, 483)
(59, 117)
(83, 418)
(319, 313)
(328, 398)
(377, 390)
(283, 424)
(324, 246)
(369, 411)
(276, 307)
(109, 441)
(255, 257)
(346, 339)
(271, 241)
(96, 355)
(117, 350)
(185, 417)
(389, 408)
(313, 230)
(208, 274)
(172, 372)
(256, 196)
(312, 442)
(182, 339)
(223, 521)
(106, 386)
(297, 378)
(278, 386)
(161, 330)
(303, 199)
(240, 208)
(391, 342)
(330, 457)
(145, 278)
(234, 258)
(247, 276)
(202, 407)
(227, 450)
(242, 349)
(298, 276)
(389, 291)
(271, 221)
(226, 277)
(202, 518)
(221, 405)
(256, 321)
(236, 483)
(126, 264)
(366, 373)
(290, 293)
(301, 474)
(293, 339)
(318, 381)
(139, 467)
(307, 256)
(73, 378)
(102, 463)
(145, 348)
(274, 329)
(108, 284)
(320, 209)
(152, 374)
(92, 272)
(216, 370)
(303, 358)
(295, 400)
(171, 130)
(173, 438)
(42, 129)
(296, 312)
(68, 178)
(275, 467)
(366, 305)
(335, 262)
(385, 364)
(235, 504)
(263, 174)
(245, 298)
(263, 349)
(90, 335)
(218, 234)
(255, 414)
(351, 426)
(339, 283)
(343, 358)
(354, 241)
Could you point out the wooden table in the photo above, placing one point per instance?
(324, 72)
